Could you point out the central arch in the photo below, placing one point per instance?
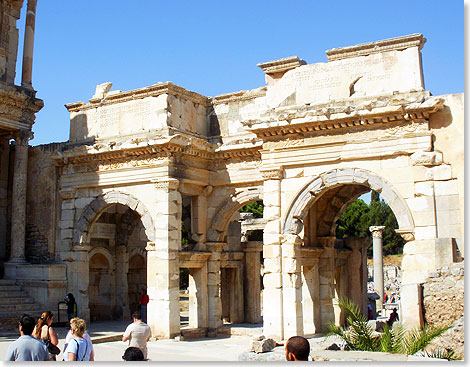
(336, 180)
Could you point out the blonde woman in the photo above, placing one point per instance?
(78, 349)
(44, 331)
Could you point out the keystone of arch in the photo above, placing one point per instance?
(98, 205)
(308, 194)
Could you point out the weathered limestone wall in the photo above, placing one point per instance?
(443, 298)
(9, 41)
(112, 115)
(447, 127)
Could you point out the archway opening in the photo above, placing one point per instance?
(118, 236)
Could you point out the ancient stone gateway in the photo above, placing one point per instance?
(140, 165)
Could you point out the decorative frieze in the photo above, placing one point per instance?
(167, 184)
(272, 174)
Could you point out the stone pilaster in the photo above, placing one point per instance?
(18, 216)
(252, 286)
(311, 290)
(213, 287)
(78, 275)
(377, 243)
(327, 276)
(292, 286)
(163, 314)
(27, 72)
(122, 287)
(4, 157)
(198, 301)
(357, 272)
(273, 323)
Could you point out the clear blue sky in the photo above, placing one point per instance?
(212, 47)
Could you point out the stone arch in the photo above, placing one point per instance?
(314, 189)
(222, 217)
(103, 251)
(91, 213)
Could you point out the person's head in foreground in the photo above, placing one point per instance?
(137, 316)
(26, 325)
(133, 354)
(297, 349)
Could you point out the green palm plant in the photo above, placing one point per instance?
(359, 334)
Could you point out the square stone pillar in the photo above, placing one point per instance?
(327, 277)
(122, 287)
(79, 278)
(311, 290)
(163, 311)
(273, 323)
(213, 287)
(357, 279)
(252, 286)
(292, 286)
(198, 297)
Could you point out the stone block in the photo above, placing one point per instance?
(424, 189)
(68, 204)
(67, 215)
(446, 188)
(447, 202)
(442, 172)
(421, 173)
(66, 234)
(271, 251)
(271, 186)
(424, 233)
(271, 238)
(81, 203)
(272, 280)
(261, 346)
(272, 198)
(272, 265)
(426, 158)
(64, 224)
(424, 218)
(421, 203)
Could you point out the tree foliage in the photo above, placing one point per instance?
(255, 207)
(358, 217)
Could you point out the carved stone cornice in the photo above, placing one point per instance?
(385, 110)
(67, 194)
(272, 174)
(406, 234)
(239, 96)
(282, 65)
(22, 137)
(152, 91)
(364, 49)
(18, 106)
(166, 184)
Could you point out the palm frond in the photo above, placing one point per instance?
(448, 354)
(417, 340)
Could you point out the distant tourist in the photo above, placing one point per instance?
(71, 306)
(138, 333)
(69, 336)
(297, 349)
(144, 300)
(133, 354)
(78, 349)
(27, 347)
(370, 314)
(44, 331)
(393, 317)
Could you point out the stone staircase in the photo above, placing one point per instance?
(14, 302)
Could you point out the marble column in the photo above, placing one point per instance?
(122, 286)
(377, 243)
(311, 290)
(213, 287)
(28, 47)
(163, 311)
(18, 217)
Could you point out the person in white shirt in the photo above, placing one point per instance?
(138, 333)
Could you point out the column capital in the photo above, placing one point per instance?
(406, 234)
(166, 184)
(272, 174)
(22, 137)
(377, 231)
